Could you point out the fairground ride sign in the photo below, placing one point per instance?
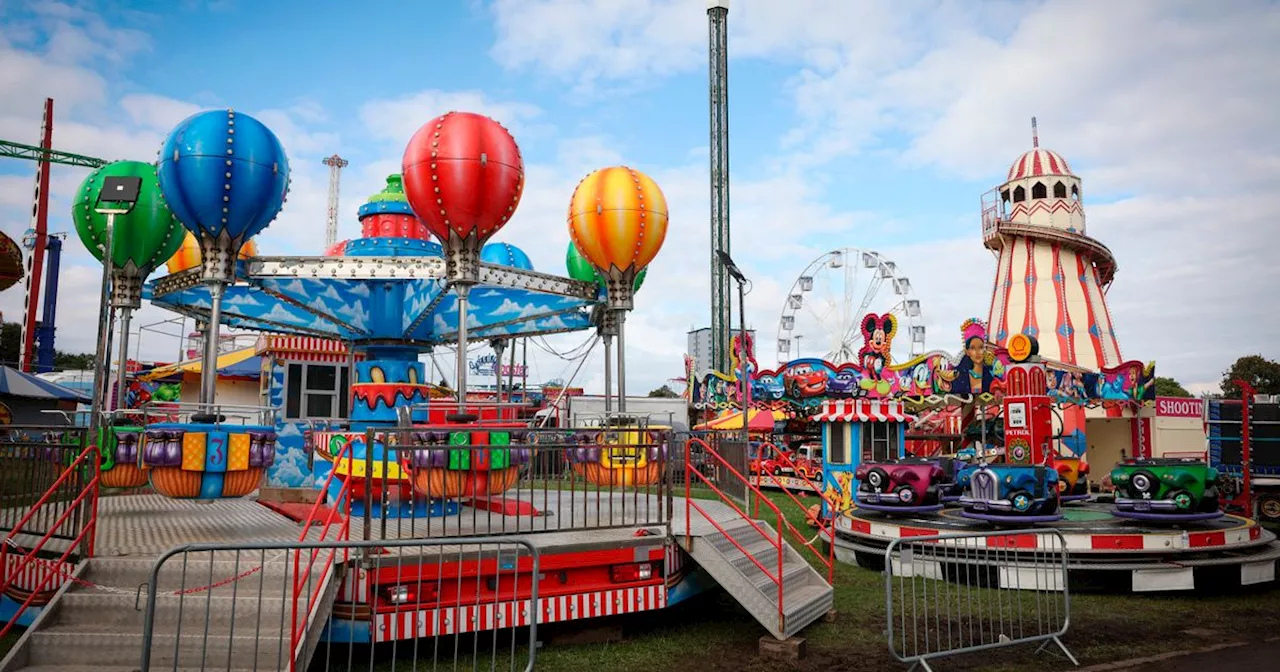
(485, 365)
(1179, 407)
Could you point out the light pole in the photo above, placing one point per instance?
(744, 392)
(117, 197)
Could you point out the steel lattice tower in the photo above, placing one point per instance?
(718, 21)
(336, 164)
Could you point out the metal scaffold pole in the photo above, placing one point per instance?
(718, 22)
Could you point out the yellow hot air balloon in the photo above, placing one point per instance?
(618, 220)
(188, 256)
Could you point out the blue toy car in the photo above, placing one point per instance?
(1016, 489)
(767, 388)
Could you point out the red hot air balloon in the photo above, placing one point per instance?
(463, 176)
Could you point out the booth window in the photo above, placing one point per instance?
(879, 441)
(838, 443)
(316, 391)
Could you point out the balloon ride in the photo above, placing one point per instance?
(617, 223)
(422, 275)
(130, 245)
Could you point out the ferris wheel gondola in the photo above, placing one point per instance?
(829, 298)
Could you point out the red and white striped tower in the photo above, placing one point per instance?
(1051, 277)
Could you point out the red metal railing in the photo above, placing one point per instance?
(46, 570)
(302, 575)
(724, 467)
(828, 559)
(1244, 500)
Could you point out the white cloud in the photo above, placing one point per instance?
(397, 119)
(156, 112)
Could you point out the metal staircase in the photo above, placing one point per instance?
(243, 623)
(737, 567)
(750, 559)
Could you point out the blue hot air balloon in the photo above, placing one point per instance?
(506, 254)
(224, 175)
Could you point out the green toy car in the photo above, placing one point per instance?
(1166, 485)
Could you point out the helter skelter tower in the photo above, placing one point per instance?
(1051, 277)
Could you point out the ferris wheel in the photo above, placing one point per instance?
(821, 316)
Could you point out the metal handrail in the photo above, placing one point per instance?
(300, 580)
(85, 536)
(830, 559)
(779, 544)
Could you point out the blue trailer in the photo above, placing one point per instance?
(1223, 428)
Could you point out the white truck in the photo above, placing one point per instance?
(587, 410)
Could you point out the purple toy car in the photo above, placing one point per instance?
(908, 482)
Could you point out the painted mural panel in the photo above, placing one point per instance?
(935, 378)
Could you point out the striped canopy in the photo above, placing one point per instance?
(15, 383)
(863, 410)
(758, 421)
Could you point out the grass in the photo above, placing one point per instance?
(713, 633)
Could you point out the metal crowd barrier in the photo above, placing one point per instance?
(959, 593)
(32, 460)
(519, 480)
(455, 604)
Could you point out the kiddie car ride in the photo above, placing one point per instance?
(767, 458)
(1166, 485)
(1072, 482)
(1010, 489)
(907, 482)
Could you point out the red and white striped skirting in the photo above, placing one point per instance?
(473, 618)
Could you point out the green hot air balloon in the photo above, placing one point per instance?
(141, 240)
(583, 271)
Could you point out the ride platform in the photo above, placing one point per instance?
(92, 615)
(1105, 553)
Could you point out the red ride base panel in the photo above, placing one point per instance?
(301, 512)
(504, 506)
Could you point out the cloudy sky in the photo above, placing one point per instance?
(865, 124)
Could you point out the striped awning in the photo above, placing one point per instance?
(863, 410)
(225, 361)
(304, 348)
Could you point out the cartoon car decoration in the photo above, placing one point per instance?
(907, 482)
(1015, 489)
(1166, 485)
(803, 381)
(1071, 476)
(844, 384)
(767, 387)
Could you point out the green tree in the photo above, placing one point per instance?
(64, 361)
(1262, 373)
(1168, 387)
(10, 343)
(664, 392)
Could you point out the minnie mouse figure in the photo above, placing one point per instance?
(877, 333)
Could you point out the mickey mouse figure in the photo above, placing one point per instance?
(877, 333)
